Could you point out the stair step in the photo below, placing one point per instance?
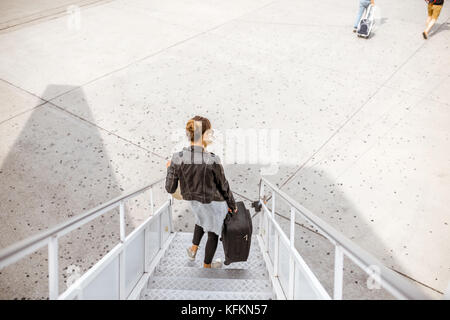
(187, 237)
(205, 284)
(177, 277)
(195, 272)
(164, 294)
(181, 245)
(180, 259)
(177, 244)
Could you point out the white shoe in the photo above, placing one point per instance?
(191, 254)
(216, 264)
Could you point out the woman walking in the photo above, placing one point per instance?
(434, 10)
(363, 5)
(203, 184)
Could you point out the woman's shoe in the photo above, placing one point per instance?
(216, 264)
(425, 35)
(191, 253)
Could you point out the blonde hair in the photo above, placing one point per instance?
(196, 128)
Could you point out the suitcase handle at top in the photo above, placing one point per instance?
(369, 12)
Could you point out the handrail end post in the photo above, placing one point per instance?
(53, 268)
(338, 272)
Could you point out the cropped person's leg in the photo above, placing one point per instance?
(430, 25)
(436, 12)
(198, 234)
(431, 21)
(359, 15)
(433, 14)
(430, 14)
(210, 249)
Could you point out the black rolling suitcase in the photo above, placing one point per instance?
(237, 234)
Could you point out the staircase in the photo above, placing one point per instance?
(177, 277)
(151, 263)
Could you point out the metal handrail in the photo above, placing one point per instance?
(76, 289)
(50, 237)
(295, 257)
(391, 281)
(8, 253)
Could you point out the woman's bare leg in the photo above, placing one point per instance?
(430, 25)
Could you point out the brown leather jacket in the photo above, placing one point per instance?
(201, 177)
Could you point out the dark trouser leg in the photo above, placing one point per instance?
(198, 234)
(211, 246)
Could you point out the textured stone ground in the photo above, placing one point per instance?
(89, 107)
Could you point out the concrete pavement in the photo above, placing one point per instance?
(89, 106)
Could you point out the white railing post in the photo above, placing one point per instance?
(261, 222)
(261, 190)
(160, 231)
(275, 258)
(53, 272)
(122, 221)
(291, 256)
(170, 214)
(152, 210)
(273, 203)
(122, 295)
(261, 216)
(338, 272)
(146, 244)
(276, 254)
(266, 230)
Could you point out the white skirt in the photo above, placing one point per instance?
(210, 216)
